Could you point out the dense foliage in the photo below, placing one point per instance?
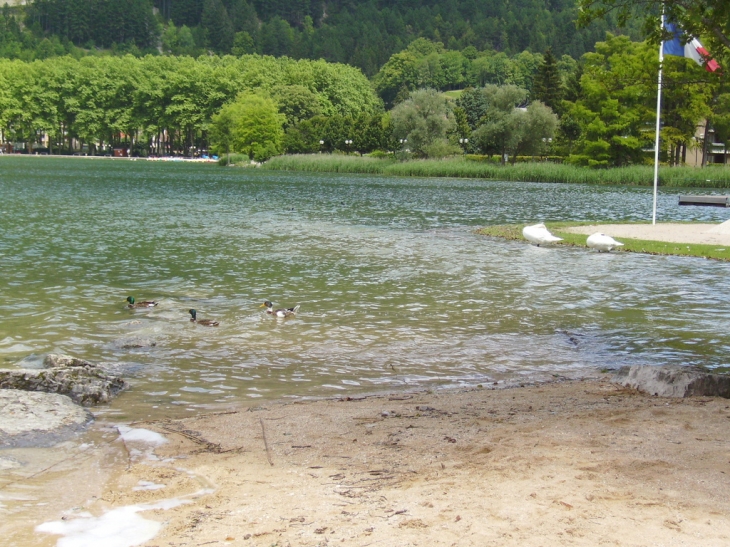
(498, 123)
(709, 19)
(425, 64)
(424, 121)
(251, 125)
(96, 22)
(159, 104)
(362, 33)
(616, 106)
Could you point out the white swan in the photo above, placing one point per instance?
(539, 235)
(602, 242)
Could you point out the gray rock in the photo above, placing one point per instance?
(673, 381)
(37, 419)
(84, 382)
(134, 343)
(54, 360)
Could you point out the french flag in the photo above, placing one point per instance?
(692, 49)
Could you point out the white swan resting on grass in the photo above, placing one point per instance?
(602, 242)
(539, 235)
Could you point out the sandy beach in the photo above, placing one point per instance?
(564, 463)
(709, 234)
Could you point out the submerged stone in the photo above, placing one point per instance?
(84, 382)
(674, 381)
(35, 419)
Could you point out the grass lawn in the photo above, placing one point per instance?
(453, 94)
(514, 231)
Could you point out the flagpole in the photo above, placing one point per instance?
(658, 123)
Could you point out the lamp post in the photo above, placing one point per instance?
(321, 145)
(546, 141)
(348, 143)
(463, 143)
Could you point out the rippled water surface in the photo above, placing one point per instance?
(394, 286)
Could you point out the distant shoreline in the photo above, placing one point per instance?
(128, 158)
(465, 168)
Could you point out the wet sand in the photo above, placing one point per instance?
(565, 463)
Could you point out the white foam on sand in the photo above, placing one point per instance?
(145, 436)
(147, 485)
(121, 527)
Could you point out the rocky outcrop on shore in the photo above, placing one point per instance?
(38, 419)
(40, 406)
(84, 382)
(674, 381)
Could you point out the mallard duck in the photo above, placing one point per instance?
(204, 322)
(143, 304)
(602, 242)
(539, 235)
(281, 312)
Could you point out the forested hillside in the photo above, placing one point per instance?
(363, 33)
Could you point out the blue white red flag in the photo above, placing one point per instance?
(692, 49)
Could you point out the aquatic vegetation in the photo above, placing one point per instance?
(638, 175)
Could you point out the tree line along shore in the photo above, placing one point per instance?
(427, 101)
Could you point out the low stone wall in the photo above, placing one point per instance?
(85, 383)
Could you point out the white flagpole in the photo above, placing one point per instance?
(658, 124)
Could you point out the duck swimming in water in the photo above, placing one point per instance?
(602, 242)
(143, 304)
(539, 235)
(204, 322)
(282, 312)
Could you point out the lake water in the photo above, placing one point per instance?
(396, 289)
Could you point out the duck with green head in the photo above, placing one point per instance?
(281, 312)
(204, 322)
(143, 304)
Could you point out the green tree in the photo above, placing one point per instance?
(251, 125)
(548, 86)
(500, 129)
(709, 18)
(373, 132)
(474, 102)
(424, 120)
(495, 68)
(243, 44)
(179, 41)
(296, 102)
(399, 72)
(215, 21)
(223, 130)
(617, 105)
(537, 125)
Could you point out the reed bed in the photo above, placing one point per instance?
(233, 159)
(328, 163)
(638, 175)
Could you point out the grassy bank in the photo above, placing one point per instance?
(640, 175)
(514, 231)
